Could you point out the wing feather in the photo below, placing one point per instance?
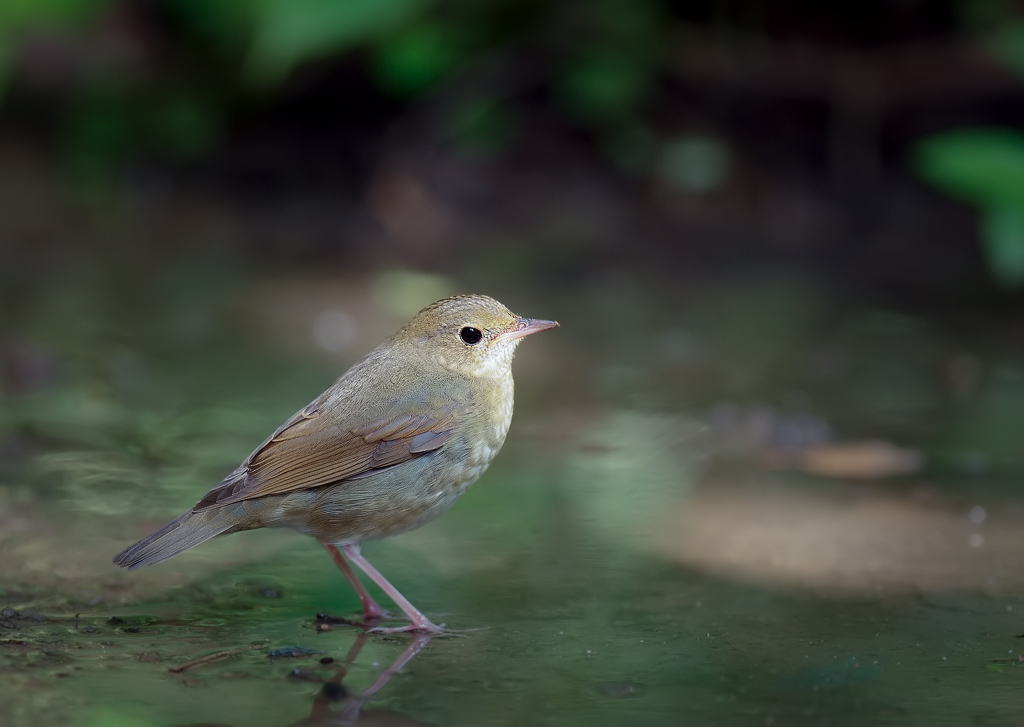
(311, 450)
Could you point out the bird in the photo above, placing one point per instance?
(390, 446)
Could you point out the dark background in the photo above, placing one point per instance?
(692, 138)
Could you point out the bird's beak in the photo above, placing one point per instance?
(526, 327)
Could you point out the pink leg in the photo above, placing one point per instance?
(371, 609)
(419, 621)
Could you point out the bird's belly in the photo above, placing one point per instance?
(388, 502)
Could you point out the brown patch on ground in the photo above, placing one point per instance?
(780, 535)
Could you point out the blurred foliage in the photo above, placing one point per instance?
(986, 168)
(416, 57)
(288, 32)
(17, 16)
(164, 81)
(1008, 43)
(194, 62)
(20, 17)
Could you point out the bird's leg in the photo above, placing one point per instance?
(419, 621)
(372, 610)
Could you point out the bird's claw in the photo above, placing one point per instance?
(414, 628)
(380, 615)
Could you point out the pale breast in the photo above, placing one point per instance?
(411, 494)
(471, 456)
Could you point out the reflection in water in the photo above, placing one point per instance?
(333, 693)
(334, 706)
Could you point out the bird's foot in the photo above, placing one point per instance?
(417, 627)
(378, 613)
(369, 618)
(324, 621)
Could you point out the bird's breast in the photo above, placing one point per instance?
(481, 437)
(410, 494)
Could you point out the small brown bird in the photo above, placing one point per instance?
(389, 447)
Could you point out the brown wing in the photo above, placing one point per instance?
(310, 450)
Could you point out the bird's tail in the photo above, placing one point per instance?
(189, 530)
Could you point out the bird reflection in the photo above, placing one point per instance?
(333, 704)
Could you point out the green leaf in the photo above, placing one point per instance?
(1003, 237)
(221, 21)
(19, 16)
(1008, 44)
(604, 85)
(16, 15)
(288, 32)
(483, 125)
(417, 58)
(183, 125)
(983, 166)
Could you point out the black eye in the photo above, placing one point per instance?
(470, 336)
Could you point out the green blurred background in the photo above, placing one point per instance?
(785, 241)
(729, 135)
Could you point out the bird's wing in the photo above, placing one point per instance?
(312, 449)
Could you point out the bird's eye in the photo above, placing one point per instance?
(471, 336)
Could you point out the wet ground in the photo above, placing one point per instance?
(745, 504)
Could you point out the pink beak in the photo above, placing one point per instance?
(526, 327)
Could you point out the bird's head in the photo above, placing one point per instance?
(473, 335)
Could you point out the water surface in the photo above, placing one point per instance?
(666, 538)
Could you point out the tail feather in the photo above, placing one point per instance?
(175, 537)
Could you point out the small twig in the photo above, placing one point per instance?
(215, 656)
